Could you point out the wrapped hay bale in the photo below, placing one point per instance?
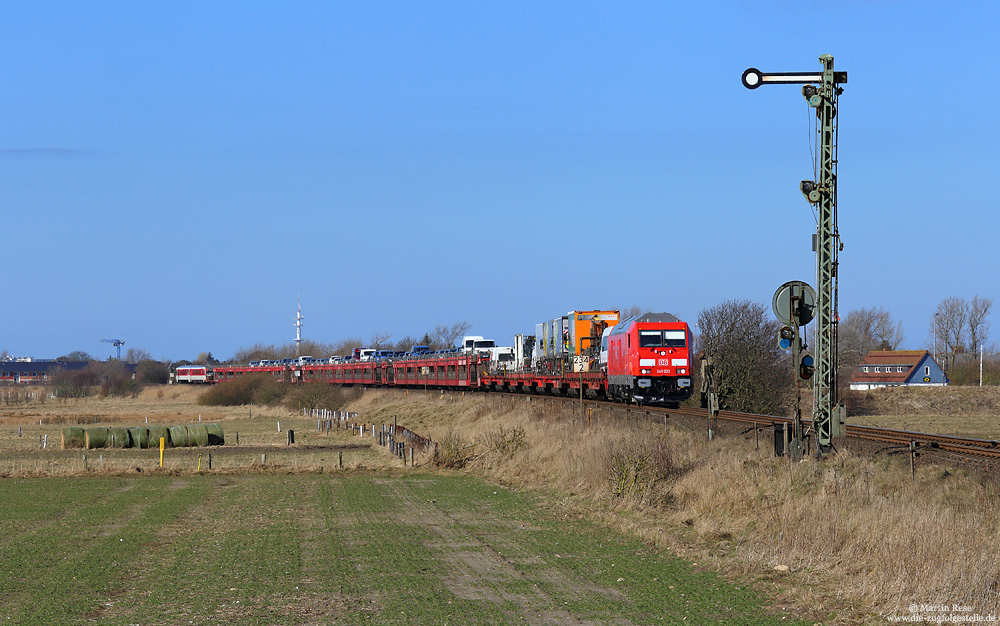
(119, 437)
(215, 435)
(73, 437)
(155, 432)
(140, 436)
(95, 437)
(179, 436)
(198, 435)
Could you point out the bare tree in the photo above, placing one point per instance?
(630, 311)
(864, 330)
(404, 344)
(137, 355)
(255, 352)
(949, 326)
(206, 358)
(753, 374)
(346, 347)
(379, 340)
(977, 322)
(447, 336)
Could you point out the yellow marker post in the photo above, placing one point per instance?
(199, 462)
(163, 443)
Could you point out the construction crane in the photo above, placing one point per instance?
(118, 343)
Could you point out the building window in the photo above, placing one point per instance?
(927, 370)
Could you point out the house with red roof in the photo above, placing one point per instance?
(885, 368)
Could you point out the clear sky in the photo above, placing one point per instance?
(177, 174)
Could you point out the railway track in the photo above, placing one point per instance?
(967, 447)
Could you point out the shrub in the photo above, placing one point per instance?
(254, 389)
(634, 466)
(74, 383)
(454, 451)
(503, 442)
(320, 396)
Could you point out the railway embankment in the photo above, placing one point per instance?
(968, 411)
(852, 539)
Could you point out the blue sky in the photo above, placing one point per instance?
(177, 174)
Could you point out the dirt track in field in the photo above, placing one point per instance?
(479, 569)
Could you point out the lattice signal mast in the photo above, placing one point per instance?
(821, 90)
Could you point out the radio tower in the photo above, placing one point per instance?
(298, 330)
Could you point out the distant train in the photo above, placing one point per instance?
(644, 359)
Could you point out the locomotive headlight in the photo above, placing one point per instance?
(681, 370)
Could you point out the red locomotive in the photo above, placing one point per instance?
(649, 359)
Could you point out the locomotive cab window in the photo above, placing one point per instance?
(674, 338)
(650, 338)
(662, 339)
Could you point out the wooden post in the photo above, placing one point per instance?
(913, 451)
(340, 458)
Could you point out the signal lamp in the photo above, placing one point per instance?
(806, 367)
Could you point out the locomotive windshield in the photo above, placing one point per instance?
(661, 338)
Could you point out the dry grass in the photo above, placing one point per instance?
(859, 538)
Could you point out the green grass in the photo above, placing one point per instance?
(362, 548)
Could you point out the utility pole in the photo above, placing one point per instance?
(821, 90)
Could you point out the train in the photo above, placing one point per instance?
(643, 359)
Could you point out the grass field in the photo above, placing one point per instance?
(355, 548)
(253, 439)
